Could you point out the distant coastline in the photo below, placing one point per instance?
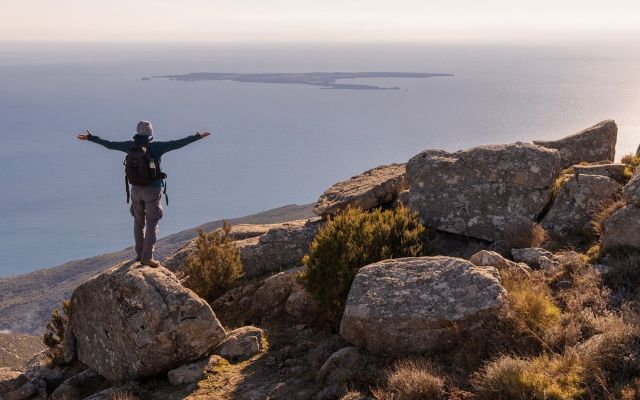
(325, 80)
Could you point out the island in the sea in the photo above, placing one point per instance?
(325, 80)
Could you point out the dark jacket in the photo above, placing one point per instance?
(157, 149)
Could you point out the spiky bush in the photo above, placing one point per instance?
(412, 380)
(53, 337)
(215, 265)
(352, 240)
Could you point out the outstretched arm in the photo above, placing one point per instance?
(176, 144)
(120, 146)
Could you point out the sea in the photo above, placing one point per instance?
(272, 144)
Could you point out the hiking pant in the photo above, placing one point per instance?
(146, 208)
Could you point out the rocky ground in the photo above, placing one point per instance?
(530, 290)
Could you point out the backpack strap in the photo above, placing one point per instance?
(126, 185)
(164, 185)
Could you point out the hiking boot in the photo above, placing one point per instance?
(151, 263)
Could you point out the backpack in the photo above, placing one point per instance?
(141, 169)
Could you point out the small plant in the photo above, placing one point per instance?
(531, 304)
(547, 377)
(216, 264)
(632, 161)
(53, 337)
(412, 380)
(352, 240)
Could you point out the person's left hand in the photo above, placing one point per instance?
(203, 134)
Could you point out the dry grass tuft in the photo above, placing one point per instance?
(412, 380)
(623, 276)
(531, 305)
(554, 377)
(353, 395)
(123, 396)
(602, 214)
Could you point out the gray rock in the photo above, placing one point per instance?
(622, 229)
(493, 259)
(536, 258)
(272, 295)
(133, 321)
(341, 366)
(281, 248)
(480, 191)
(631, 191)
(402, 199)
(241, 344)
(373, 188)
(613, 171)
(14, 385)
(82, 385)
(408, 305)
(579, 200)
(301, 303)
(194, 371)
(597, 143)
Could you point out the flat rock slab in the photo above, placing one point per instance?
(612, 170)
(373, 188)
(408, 305)
(133, 321)
(577, 203)
(597, 143)
(478, 192)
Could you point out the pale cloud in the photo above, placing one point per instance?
(330, 20)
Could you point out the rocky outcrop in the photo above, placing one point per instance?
(631, 191)
(345, 362)
(613, 171)
(478, 192)
(597, 143)
(622, 229)
(271, 297)
(133, 321)
(493, 259)
(376, 187)
(14, 385)
(241, 344)
(579, 200)
(281, 247)
(408, 305)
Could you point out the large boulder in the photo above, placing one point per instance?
(408, 305)
(478, 192)
(280, 248)
(622, 229)
(133, 321)
(597, 143)
(375, 187)
(579, 200)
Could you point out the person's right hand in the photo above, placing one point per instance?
(84, 136)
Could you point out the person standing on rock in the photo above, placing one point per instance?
(142, 167)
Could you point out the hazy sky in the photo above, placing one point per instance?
(318, 20)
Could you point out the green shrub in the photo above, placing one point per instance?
(352, 240)
(215, 266)
(53, 337)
